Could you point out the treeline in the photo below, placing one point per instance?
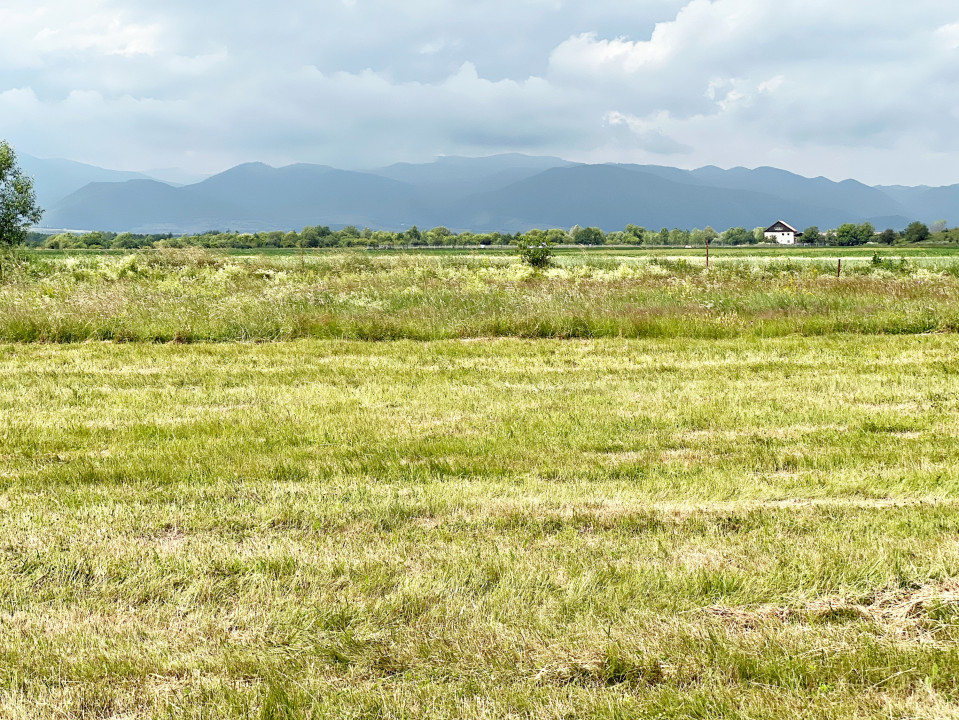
(322, 236)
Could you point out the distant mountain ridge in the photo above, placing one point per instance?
(55, 178)
(505, 193)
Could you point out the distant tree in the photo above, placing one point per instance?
(126, 241)
(663, 236)
(18, 201)
(709, 235)
(847, 234)
(916, 232)
(811, 235)
(533, 236)
(634, 234)
(439, 236)
(738, 236)
(589, 236)
(937, 227)
(557, 236)
(866, 232)
(887, 236)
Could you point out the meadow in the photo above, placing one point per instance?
(629, 486)
(197, 295)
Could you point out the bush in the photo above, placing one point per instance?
(536, 253)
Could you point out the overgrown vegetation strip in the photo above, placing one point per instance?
(196, 295)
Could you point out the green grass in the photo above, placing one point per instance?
(195, 296)
(743, 527)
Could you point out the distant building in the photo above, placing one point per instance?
(782, 232)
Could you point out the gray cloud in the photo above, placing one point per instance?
(854, 90)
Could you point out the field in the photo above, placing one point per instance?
(403, 486)
(196, 295)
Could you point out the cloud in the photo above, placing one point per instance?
(843, 90)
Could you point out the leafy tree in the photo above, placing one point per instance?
(738, 236)
(634, 234)
(887, 236)
(917, 232)
(589, 236)
(414, 236)
(846, 235)
(811, 235)
(664, 236)
(865, 232)
(18, 201)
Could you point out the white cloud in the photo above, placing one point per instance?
(950, 34)
(831, 89)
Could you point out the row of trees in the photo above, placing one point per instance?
(322, 236)
(849, 234)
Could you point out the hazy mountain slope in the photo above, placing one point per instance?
(849, 196)
(54, 179)
(504, 193)
(449, 178)
(611, 196)
(138, 206)
(297, 195)
(937, 203)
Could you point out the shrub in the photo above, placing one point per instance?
(536, 253)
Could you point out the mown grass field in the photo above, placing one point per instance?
(748, 524)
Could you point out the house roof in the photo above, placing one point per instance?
(781, 226)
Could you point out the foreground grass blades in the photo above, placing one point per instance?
(607, 528)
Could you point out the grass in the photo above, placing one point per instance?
(629, 486)
(743, 527)
(196, 296)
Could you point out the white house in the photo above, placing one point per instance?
(782, 232)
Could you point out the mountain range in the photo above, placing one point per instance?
(505, 193)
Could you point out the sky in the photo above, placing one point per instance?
(864, 89)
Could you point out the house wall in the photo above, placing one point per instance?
(783, 238)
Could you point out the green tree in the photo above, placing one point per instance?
(887, 236)
(847, 234)
(811, 235)
(18, 201)
(589, 236)
(738, 236)
(917, 232)
(635, 234)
